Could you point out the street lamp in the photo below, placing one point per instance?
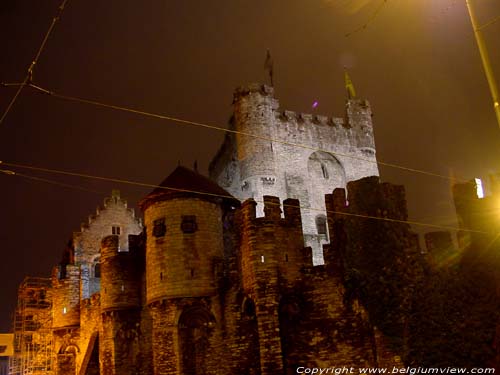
(485, 59)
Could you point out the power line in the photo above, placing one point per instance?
(29, 75)
(142, 184)
(52, 182)
(370, 20)
(218, 128)
(494, 20)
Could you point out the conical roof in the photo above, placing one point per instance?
(183, 182)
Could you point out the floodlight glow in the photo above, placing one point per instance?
(479, 188)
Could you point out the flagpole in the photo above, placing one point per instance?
(269, 66)
(485, 59)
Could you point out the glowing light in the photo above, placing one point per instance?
(64, 310)
(479, 188)
(315, 104)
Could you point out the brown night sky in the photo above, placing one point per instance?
(416, 62)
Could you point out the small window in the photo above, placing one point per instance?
(321, 224)
(115, 230)
(189, 224)
(159, 227)
(324, 171)
(97, 270)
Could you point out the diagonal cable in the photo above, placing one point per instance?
(142, 184)
(29, 74)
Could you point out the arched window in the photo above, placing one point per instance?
(321, 225)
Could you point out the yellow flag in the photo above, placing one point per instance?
(351, 93)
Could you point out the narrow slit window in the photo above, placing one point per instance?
(97, 270)
(324, 170)
(115, 230)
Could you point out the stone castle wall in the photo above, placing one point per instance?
(333, 151)
(87, 242)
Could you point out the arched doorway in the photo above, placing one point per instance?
(195, 329)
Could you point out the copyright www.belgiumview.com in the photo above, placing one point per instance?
(394, 370)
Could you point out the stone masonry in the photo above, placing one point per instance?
(335, 151)
(212, 285)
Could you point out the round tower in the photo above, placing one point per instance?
(254, 107)
(184, 242)
(120, 276)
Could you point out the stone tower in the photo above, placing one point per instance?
(184, 255)
(121, 276)
(334, 151)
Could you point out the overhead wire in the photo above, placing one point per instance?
(494, 20)
(370, 20)
(29, 74)
(28, 82)
(233, 131)
(142, 184)
(52, 182)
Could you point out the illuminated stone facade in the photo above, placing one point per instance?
(332, 152)
(210, 285)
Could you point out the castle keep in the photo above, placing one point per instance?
(213, 285)
(334, 151)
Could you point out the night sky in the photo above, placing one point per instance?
(416, 62)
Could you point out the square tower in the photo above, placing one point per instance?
(294, 155)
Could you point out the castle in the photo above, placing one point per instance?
(332, 152)
(210, 285)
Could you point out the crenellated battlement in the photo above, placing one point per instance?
(273, 213)
(272, 245)
(251, 88)
(294, 155)
(368, 203)
(309, 119)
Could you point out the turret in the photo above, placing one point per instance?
(254, 107)
(359, 118)
(184, 243)
(120, 275)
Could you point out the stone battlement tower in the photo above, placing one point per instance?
(264, 157)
